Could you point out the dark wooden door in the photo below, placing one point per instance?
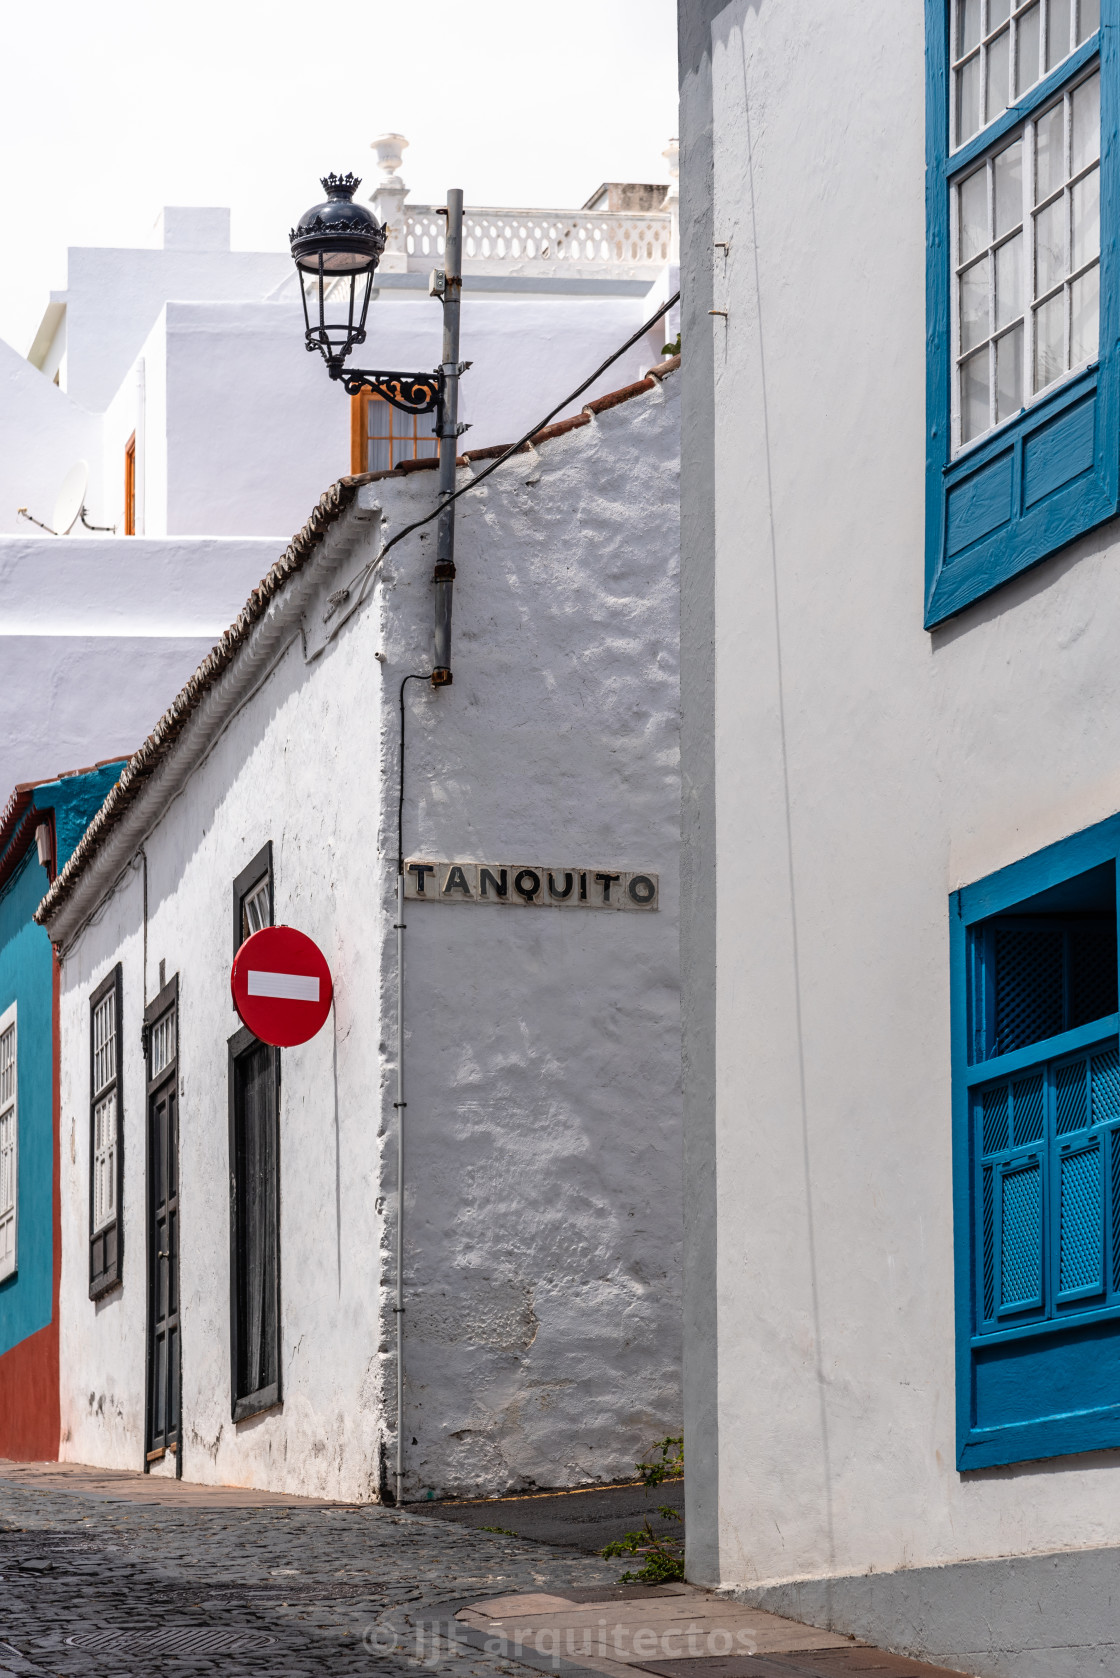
(164, 1372)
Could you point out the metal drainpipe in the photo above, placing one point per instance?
(399, 1306)
(448, 438)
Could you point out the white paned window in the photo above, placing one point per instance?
(161, 1044)
(9, 1143)
(104, 1112)
(256, 909)
(1001, 48)
(1027, 260)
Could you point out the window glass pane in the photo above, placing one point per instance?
(1030, 42)
(1008, 169)
(975, 324)
(974, 215)
(8, 1066)
(975, 413)
(998, 81)
(380, 454)
(7, 1162)
(1009, 374)
(105, 1161)
(1089, 19)
(998, 12)
(1049, 153)
(1084, 317)
(1057, 33)
(1050, 340)
(162, 1044)
(1009, 281)
(1050, 246)
(1086, 123)
(1086, 220)
(968, 26)
(968, 99)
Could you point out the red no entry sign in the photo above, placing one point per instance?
(281, 986)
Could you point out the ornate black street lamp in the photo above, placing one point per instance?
(336, 248)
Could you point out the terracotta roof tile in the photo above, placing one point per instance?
(615, 398)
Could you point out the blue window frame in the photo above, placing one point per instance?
(1023, 364)
(1036, 1154)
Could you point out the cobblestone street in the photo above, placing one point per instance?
(94, 1586)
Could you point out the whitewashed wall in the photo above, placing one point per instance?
(243, 427)
(864, 769)
(43, 432)
(543, 1175)
(97, 635)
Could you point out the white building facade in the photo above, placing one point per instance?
(232, 1333)
(184, 384)
(900, 487)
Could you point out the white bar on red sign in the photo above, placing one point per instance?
(293, 987)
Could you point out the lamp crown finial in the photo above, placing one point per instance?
(340, 186)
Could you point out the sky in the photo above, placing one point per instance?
(113, 109)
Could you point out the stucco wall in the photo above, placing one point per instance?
(542, 1048)
(98, 635)
(864, 769)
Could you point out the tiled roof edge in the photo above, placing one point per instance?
(141, 765)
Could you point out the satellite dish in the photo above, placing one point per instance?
(70, 499)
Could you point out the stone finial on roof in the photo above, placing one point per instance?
(388, 199)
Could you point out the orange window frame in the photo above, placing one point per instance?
(360, 434)
(130, 486)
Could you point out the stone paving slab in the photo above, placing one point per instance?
(134, 1486)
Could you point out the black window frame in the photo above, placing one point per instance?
(243, 1405)
(106, 1272)
(250, 876)
(171, 1440)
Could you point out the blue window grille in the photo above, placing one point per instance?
(1022, 316)
(1036, 1055)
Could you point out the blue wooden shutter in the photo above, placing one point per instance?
(1019, 1208)
(1053, 472)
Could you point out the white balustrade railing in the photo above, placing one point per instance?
(541, 241)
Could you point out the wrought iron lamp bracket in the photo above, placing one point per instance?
(412, 393)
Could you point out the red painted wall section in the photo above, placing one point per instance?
(29, 1414)
(30, 1421)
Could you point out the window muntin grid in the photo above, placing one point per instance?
(393, 436)
(161, 1044)
(104, 1042)
(1027, 262)
(1001, 48)
(105, 1161)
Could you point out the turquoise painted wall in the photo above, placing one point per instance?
(26, 979)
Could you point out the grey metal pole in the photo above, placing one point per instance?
(398, 1307)
(449, 439)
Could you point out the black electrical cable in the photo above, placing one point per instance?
(400, 790)
(529, 435)
(354, 592)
